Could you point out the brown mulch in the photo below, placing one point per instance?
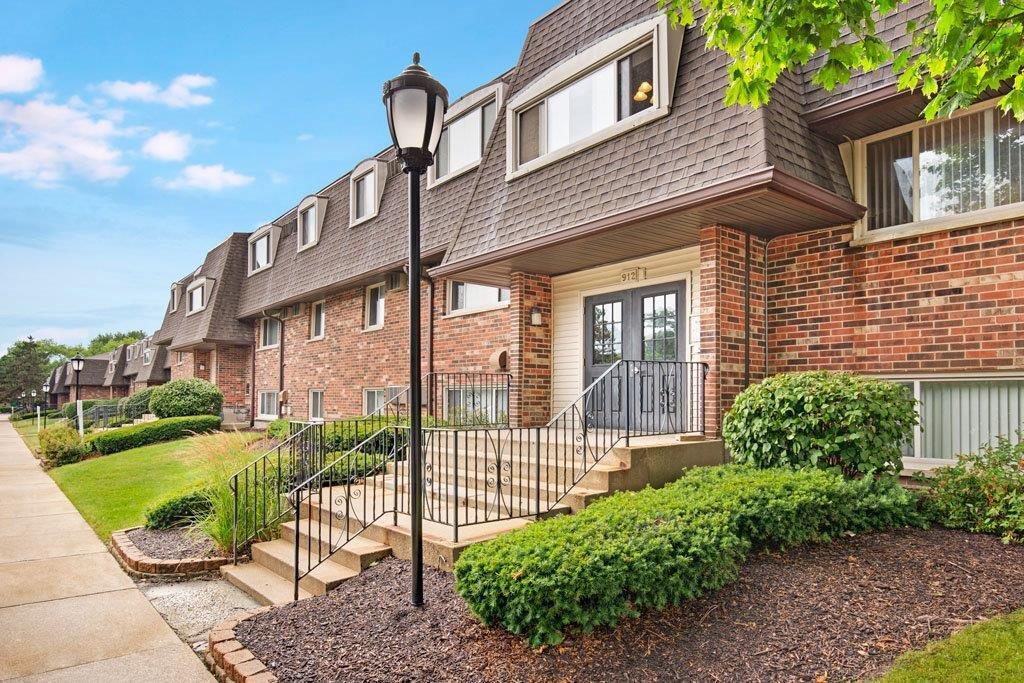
(837, 611)
(172, 544)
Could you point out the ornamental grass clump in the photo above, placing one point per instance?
(639, 550)
(822, 419)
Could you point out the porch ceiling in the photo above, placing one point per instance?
(767, 203)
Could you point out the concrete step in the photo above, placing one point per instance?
(279, 557)
(262, 584)
(357, 553)
(485, 503)
(604, 475)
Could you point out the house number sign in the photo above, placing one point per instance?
(634, 274)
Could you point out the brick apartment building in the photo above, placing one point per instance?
(598, 202)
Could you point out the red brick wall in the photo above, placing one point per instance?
(90, 392)
(231, 370)
(945, 302)
(723, 288)
(530, 350)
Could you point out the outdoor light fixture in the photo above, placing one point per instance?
(416, 104)
(77, 363)
(536, 319)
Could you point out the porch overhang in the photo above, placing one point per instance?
(766, 202)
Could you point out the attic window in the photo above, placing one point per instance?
(147, 356)
(614, 86)
(174, 298)
(196, 297)
(366, 188)
(310, 221)
(364, 195)
(259, 252)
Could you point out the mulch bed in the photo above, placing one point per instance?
(172, 544)
(837, 611)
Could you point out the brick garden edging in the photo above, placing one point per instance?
(228, 660)
(129, 555)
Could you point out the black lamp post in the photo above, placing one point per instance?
(77, 363)
(46, 393)
(415, 104)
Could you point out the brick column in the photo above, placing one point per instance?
(530, 350)
(723, 319)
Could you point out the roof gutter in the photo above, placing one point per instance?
(768, 179)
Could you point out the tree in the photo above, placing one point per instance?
(23, 368)
(962, 49)
(108, 341)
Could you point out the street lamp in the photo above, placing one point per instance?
(77, 363)
(415, 104)
(46, 393)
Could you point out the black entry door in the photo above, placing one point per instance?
(643, 324)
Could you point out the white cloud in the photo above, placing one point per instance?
(168, 145)
(304, 137)
(19, 74)
(45, 142)
(213, 178)
(178, 94)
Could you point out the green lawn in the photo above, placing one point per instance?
(990, 651)
(113, 491)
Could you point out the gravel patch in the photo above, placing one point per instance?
(194, 607)
(172, 544)
(837, 611)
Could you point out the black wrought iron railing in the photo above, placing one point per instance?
(467, 399)
(489, 473)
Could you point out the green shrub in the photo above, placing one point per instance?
(186, 397)
(183, 509)
(822, 419)
(634, 551)
(982, 492)
(60, 446)
(278, 429)
(135, 406)
(117, 440)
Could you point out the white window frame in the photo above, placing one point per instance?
(667, 45)
(181, 358)
(367, 327)
(175, 294)
(494, 390)
(271, 232)
(466, 105)
(259, 404)
(309, 405)
(262, 333)
(452, 312)
(383, 398)
(319, 206)
(198, 283)
(861, 234)
(147, 355)
(323, 319)
(380, 170)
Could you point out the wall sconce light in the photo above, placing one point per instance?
(536, 319)
(202, 366)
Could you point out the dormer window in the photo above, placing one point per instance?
(622, 82)
(310, 221)
(147, 356)
(468, 126)
(196, 296)
(366, 188)
(260, 254)
(174, 298)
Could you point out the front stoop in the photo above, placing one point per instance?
(228, 660)
(647, 461)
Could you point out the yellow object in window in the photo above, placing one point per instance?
(642, 92)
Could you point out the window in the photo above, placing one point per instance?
(468, 296)
(613, 92)
(147, 356)
(463, 140)
(316, 404)
(270, 332)
(307, 226)
(268, 405)
(174, 298)
(131, 352)
(259, 253)
(317, 319)
(477, 405)
(110, 367)
(374, 307)
(364, 192)
(181, 357)
(938, 171)
(196, 298)
(959, 415)
(373, 400)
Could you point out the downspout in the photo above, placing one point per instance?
(746, 314)
(252, 387)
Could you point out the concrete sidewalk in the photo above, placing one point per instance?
(67, 611)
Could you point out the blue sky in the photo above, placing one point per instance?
(136, 136)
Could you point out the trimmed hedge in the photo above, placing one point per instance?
(117, 440)
(61, 446)
(180, 510)
(649, 549)
(822, 419)
(186, 397)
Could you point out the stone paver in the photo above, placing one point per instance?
(67, 611)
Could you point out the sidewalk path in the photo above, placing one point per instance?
(67, 611)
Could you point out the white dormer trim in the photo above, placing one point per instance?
(478, 98)
(667, 41)
(320, 204)
(196, 284)
(175, 295)
(380, 169)
(275, 233)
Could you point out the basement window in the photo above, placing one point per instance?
(316, 405)
(373, 400)
(268, 405)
